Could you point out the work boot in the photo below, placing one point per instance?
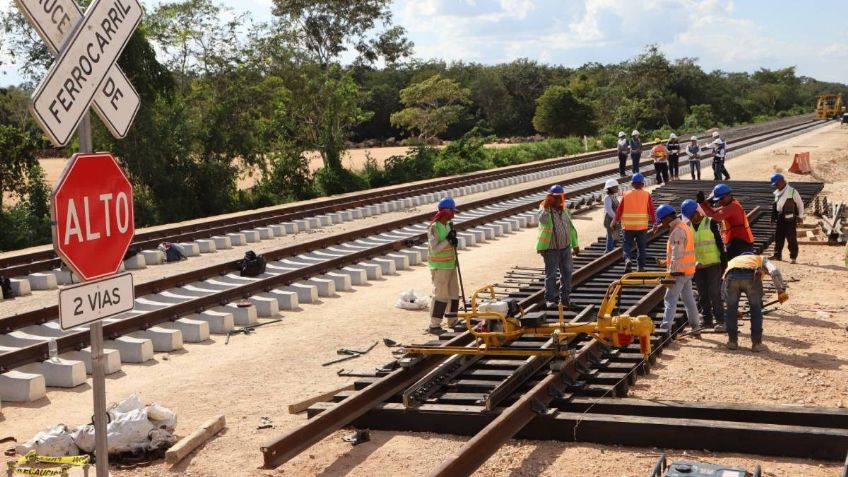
(551, 305)
(437, 314)
(776, 258)
(565, 303)
(758, 347)
(732, 345)
(720, 328)
(435, 330)
(707, 323)
(792, 261)
(628, 266)
(641, 269)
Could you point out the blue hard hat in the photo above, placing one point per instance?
(638, 179)
(721, 190)
(446, 203)
(777, 178)
(688, 208)
(664, 211)
(557, 189)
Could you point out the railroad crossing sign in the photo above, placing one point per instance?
(92, 210)
(85, 69)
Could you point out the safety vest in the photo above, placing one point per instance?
(706, 250)
(790, 214)
(635, 213)
(659, 153)
(725, 227)
(686, 264)
(754, 262)
(546, 233)
(446, 259)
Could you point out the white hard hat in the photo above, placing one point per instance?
(634, 133)
(715, 134)
(672, 136)
(610, 184)
(693, 138)
(621, 134)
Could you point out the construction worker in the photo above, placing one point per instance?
(635, 147)
(744, 274)
(680, 263)
(556, 240)
(735, 230)
(786, 213)
(673, 147)
(693, 150)
(719, 147)
(610, 206)
(710, 260)
(622, 153)
(441, 249)
(634, 213)
(660, 156)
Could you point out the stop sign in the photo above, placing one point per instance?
(93, 218)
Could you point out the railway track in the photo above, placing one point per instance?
(495, 399)
(210, 235)
(191, 305)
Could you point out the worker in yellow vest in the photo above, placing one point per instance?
(635, 214)
(744, 274)
(441, 256)
(556, 240)
(680, 262)
(710, 260)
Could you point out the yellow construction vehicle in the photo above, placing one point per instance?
(829, 106)
(495, 325)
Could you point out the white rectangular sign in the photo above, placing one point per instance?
(116, 102)
(80, 72)
(92, 301)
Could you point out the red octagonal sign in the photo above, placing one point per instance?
(93, 217)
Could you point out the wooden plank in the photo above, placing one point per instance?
(301, 406)
(188, 444)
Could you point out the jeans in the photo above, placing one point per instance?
(635, 158)
(662, 172)
(737, 247)
(708, 281)
(719, 169)
(641, 237)
(673, 165)
(557, 260)
(736, 282)
(612, 238)
(682, 288)
(695, 167)
(622, 163)
(785, 231)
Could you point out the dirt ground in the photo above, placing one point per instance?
(260, 374)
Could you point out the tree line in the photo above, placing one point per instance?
(224, 97)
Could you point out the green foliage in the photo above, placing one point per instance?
(700, 118)
(338, 181)
(466, 154)
(559, 113)
(430, 106)
(27, 223)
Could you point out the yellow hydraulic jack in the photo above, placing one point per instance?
(495, 330)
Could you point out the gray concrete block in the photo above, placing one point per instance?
(131, 349)
(277, 230)
(206, 245)
(505, 226)
(136, 262)
(19, 339)
(111, 359)
(243, 315)
(356, 213)
(21, 287)
(388, 266)
(58, 373)
(18, 386)
(358, 276)
(251, 236)
(469, 238)
(342, 280)
(491, 231)
(43, 281)
(324, 220)
(306, 292)
(335, 218)
(401, 261)
(222, 243)
(265, 233)
(265, 307)
(523, 220)
(153, 257)
(413, 255)
(236, 239)
(347, 215)
(193, 331)
(423, 250)
(286, 300)
(374, 271)
(326, 287)
(220, 322)
(479, 235)
(302, 224)
(164, 340)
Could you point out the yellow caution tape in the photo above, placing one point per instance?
(31, 457)
(31, 471)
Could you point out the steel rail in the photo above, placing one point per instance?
(46, 259)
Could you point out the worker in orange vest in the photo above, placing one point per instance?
(660, 156)
(680, 261)
(635, 213)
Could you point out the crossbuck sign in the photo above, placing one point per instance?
(85, 71)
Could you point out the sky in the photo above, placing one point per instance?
(729, 35)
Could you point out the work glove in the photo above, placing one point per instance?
(575, 251)
(451, 234)
(700, 197)
(782, 296)
(453, 240)
(662, 262)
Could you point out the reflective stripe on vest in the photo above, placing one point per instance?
(447, 257)
(546, 233)
(706, 250)
(686, 264)
(635, 213)
(725, 227)
(753, 262)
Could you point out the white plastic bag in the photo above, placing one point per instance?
(413, 300)
(162, 417)
(54, 442)
(130, 403)
(127, 431)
